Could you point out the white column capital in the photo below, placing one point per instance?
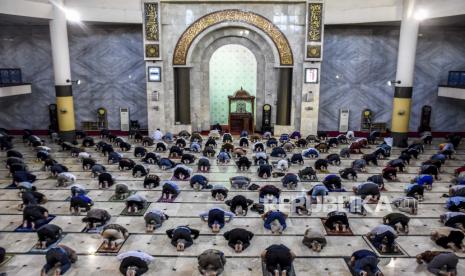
(407, 44)
(59, 42)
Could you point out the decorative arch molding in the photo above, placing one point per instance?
(279, 39)
(201, 53)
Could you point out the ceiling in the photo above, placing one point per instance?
(12, 20)
(450, 21)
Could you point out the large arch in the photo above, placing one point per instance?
(230, 65)
(202, 50)
(280, 41)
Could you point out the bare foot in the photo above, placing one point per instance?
(215, 228)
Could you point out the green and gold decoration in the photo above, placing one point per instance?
(313, 51)
(152, 50)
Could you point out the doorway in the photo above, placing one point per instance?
(231, 67)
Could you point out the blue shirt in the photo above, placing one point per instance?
(311, 151)
(273, 216)
(23, 176)
(290, 177)
(173, 185)
(448, 146)
(454, 201)
(166, 162)
(363, 253)
(410, 187)
(195, 146)
(223, 156)
(385, 147)
(330, 177)
(438, 156)
(319, 189)
(83, 197)
(226, 213)
(424, 179)
(202, 180)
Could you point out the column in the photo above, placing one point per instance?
(153, 55)
(314, 35)
(182, 103)
(62, 72)
(284, 101)
(405, 68)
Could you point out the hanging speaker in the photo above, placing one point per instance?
(53, 115)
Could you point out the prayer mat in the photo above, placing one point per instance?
(29, 228)
(351, 268)
(169, 200)
(11, 186)
(103, 250)
(113, 197)
(334, 233)
(8, 258)
(267, 273)
(386, 254)
(174, 178)
(94, 230)
(69, 197)
(141, 212)
(37, 250)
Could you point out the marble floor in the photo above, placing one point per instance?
(187, 206)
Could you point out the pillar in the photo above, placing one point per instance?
(314, 40)
(284, 102)
(405, 69)
(62, 72)
(182, 103)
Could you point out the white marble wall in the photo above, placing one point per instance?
(310, 102)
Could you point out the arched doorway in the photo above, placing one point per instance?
(189, 106)
(231, 67)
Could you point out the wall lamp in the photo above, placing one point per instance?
(420, 14)
(78, 82)
(393, 82)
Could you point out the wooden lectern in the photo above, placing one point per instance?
(240, 119)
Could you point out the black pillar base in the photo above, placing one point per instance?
(68, 136)
(400, 139)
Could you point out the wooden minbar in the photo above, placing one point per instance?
(240, 119)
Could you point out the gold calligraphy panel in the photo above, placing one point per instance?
(314, 22)
(313, 51)
(151, 21)
(152, 50)
(278, 38)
